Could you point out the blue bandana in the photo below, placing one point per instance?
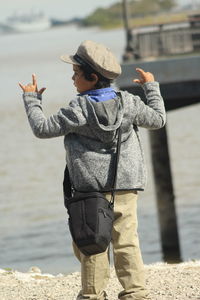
(100, 94)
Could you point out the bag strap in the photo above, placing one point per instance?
(116, 166)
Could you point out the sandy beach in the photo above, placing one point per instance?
(178, 281)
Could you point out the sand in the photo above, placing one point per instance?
(166, 282)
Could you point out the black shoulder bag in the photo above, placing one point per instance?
(91, 215)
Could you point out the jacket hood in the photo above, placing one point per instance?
(103, 117)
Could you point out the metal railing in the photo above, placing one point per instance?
(167, 42)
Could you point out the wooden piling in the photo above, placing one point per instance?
(165, 196)
(129, 49)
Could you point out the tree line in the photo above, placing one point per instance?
(112, 16)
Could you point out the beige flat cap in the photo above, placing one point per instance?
(96, 56)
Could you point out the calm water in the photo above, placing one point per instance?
(34, 227)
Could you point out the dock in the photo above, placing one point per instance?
(179, 79)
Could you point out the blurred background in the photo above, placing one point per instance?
(33, 220)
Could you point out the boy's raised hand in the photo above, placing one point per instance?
(32, 87)
(144, 76)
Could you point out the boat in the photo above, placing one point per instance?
(26, 23)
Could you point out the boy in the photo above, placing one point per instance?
(89, 124)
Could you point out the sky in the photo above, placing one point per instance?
(62, 9)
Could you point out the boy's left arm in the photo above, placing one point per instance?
(151, 115)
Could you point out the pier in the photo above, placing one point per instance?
(179, 78)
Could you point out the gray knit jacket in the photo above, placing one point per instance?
(89, 129)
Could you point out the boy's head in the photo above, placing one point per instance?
(96, 63)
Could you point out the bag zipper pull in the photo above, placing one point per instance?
(104, 214)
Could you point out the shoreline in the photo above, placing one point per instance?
(164, 281)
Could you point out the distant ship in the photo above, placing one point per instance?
(26, 23)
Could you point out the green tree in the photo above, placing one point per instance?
(167, 4)
(104, 17)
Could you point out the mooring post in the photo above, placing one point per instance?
(165, 195)
(129, 50)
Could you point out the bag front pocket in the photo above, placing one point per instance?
(105, 224)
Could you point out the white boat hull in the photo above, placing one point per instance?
(26, 23)
(28, 27)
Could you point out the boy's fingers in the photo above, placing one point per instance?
(34, 79)
(22, 86)
(41, 90)
(136, 81)
(144, 76)
(141, 72)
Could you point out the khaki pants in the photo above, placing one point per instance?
(126, 253)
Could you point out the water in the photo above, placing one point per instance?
(34, 228)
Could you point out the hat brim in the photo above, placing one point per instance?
(69, 59)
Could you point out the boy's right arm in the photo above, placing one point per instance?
(56, 125)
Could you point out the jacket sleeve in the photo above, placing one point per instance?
(151, 115)
(57, 124)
